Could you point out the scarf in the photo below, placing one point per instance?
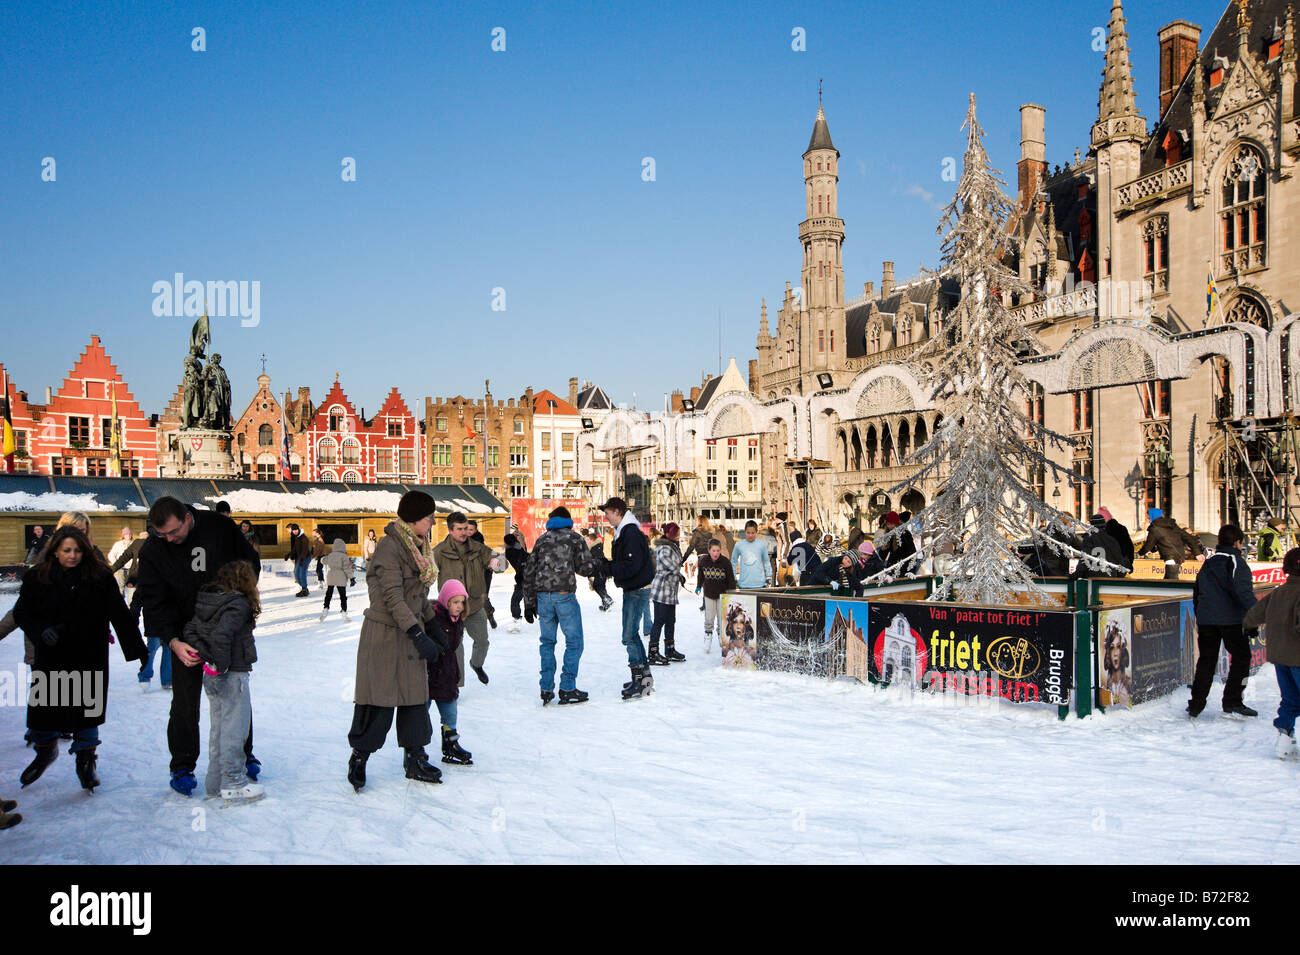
(419, 550)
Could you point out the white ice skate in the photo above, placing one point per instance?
(346, 618)
(249, 792)
(513, 627)
(1285, 748)
(323, 615)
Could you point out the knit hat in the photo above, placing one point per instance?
(866, 547)
(671, 531)
(893, 518)
(1155, 514)
(1291, 562)
(415, 506)
(1105, 512)
(561, 511)
(1097, 520)
(452, 588)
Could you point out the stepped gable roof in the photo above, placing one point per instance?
(918, 293)
(1268, 16)
(542, 404)
(394, 406)
(335, 396)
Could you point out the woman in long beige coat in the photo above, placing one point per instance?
(392, 675)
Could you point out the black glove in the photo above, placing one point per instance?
(425, 648)
(50, 636)
(530, 613)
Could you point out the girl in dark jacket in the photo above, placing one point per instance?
(447, 628)
(221, 633)
(66, 604)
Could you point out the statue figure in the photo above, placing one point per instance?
(217, 395)
(200, 336)
(192, 403)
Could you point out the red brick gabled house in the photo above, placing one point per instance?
(343, 446)
(71, 434)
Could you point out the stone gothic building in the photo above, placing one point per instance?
(1170, 402)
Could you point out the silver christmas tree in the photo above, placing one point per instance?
(986, 440)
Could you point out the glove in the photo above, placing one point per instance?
(835, 585)
(699, 590)
(50, 636)
(530, 613)
(425, 648)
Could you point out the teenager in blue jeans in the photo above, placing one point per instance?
(1276, 610)
(632, 569)
(550, 592)
(165, 667)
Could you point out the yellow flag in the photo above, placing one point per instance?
(114, 442)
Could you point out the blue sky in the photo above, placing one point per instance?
(479, 170)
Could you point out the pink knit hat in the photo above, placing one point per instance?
(866, 547)
(452, 588)
(1105, 513)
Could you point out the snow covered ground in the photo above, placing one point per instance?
(718, 766)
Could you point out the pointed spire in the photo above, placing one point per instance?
(821, 134)
(1198, 85)
(1243, 29)
(1288, 40)
(1116, 98)
(762, 322)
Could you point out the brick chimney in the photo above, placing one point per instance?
(1031, 170)
(887, 279)
(869, 289)
(573, 392)
(1179, 42)
(676, 402)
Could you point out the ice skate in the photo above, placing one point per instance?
(416, 763)
(46, 753)
(452, 752)
(357, 769)
(86, 774)
(249, 792)
(1285, 747)
(573, 696)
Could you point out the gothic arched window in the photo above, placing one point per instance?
(1243, 214)
(1155, 251)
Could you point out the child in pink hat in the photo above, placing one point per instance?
(447, 628)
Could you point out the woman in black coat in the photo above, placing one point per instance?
(66, 604)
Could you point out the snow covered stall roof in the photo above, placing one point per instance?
(34, 492)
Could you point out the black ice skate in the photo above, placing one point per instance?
(418, 767)
(573, 696)
(86, 770)
(46, 753)
(452, 752)
(357, 769)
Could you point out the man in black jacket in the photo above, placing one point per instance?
(1099, 544)
(184, 551)
(1223, 593)
(516, 554)
(633, 570)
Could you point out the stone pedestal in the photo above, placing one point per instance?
(204, 452)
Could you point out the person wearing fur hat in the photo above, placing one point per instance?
(663, 595)
(394, 649)
(447, 628)
(550, 594)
